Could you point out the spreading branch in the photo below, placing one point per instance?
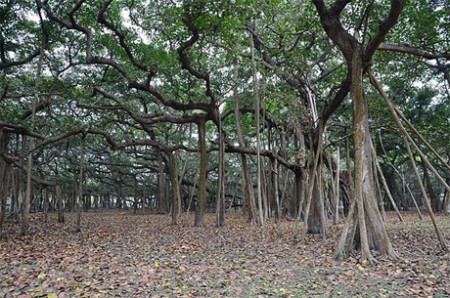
(408, 49)
(332, 25)
(383, 29)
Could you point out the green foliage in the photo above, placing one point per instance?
(288, 32)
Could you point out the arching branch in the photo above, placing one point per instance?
(383, 29)
(408, 49)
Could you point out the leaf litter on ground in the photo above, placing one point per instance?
(120, 254)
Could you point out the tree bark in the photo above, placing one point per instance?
(5, 179)
(59, 200)
(298, 198)
(247, 180)
(27, 198)
(201, 197)
(363, 172)
(220, 201)
(316, 211)
(432, 194)
(340, 252)
(314, 224)
(46, 202)
(275, 193)
(18, 189)
(175, 190)
(4, 190)
(162, 199)
(80, 185)
(261, 217)
(358, 57)
(446, 204)
(336, 193)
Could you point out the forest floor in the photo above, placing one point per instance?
(119, 254)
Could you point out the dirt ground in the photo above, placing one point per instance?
(120, 254)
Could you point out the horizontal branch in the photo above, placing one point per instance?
(407, 49)
(19, 129)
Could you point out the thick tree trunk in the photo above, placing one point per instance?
(435, 204)
(249, 190)
(220, 201)
(340, 251)
(46, 202)
(284, 190)
(27, 197)
(371, 228)
(18, 186)
(18, 193)
(265, 208)
(59, 200)
(261, 218)
(247, 180)
(315, 214)
(30, 144)
(297, 199)
(5, 179)
(336, 192)
(362, 182)
(446, 204)
(201, 197)
(4, 190)
(72, 195)
(162, 199)
(275, 193)
(80, 185)
(135, 195)
(175, 190)
(119, 201)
